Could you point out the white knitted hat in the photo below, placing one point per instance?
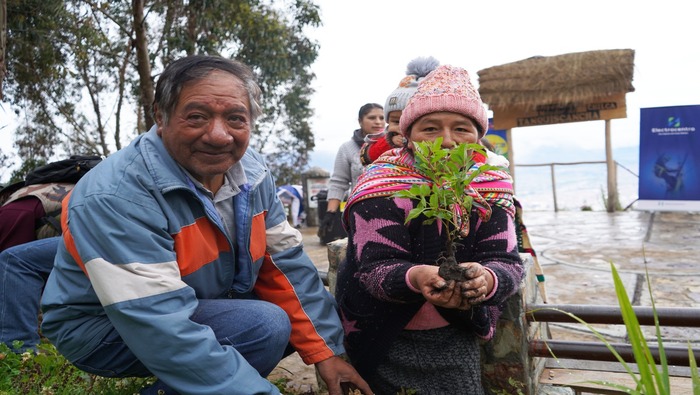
(415, 71)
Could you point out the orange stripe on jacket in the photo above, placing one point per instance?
(67, 236)
(273, 286)
(198, 244)
(258, 236)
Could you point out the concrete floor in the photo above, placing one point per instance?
(576, 249)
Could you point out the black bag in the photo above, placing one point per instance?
(68, 170)
(331, 227)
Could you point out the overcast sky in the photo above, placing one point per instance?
(366, 44)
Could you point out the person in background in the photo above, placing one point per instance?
(293, 196)
(177, 260)
(377, 144)
(29, 221)
(23, 220)
(347, 165)
(406, 327)
(23, 210)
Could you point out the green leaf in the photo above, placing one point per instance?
(694, 371)
(642, 355)
(414, 213)
(663, 380)
(449, 172)
(607, 344)
(434, 200)
(406, 194)
(424, 190)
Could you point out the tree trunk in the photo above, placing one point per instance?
(143, 63)
(3, 38)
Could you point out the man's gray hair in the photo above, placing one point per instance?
(193, 68)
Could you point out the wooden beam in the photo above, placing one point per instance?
(582, 381)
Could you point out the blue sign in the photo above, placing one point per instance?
(669, 159)
(498, 140)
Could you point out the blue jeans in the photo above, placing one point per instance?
(262, 339)
(23, 272)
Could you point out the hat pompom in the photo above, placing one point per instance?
(420, 67)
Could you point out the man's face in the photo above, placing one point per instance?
(209, 129)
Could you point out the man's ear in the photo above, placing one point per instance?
(158, 118)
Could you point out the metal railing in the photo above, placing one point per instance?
(553, 176)
(601, 314)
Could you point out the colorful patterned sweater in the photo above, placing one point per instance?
(373, 297)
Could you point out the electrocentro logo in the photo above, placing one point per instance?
(673, 127)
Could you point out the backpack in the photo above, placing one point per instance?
(68, 170)
(50, 184)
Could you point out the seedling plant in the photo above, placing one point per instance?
(449, 171)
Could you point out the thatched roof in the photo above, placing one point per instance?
(557, 79)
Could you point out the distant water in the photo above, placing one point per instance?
(577, 186)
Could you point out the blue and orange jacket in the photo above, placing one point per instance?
(141, 246)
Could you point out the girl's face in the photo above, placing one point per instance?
(453, 128)
(393, 121)
(372, 122)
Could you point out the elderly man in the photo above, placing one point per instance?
(177, 260)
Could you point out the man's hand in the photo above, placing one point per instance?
(335, 371)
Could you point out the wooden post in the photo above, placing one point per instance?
(511, 157)
(554, 187)
(612, 170)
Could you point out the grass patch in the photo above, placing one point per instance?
(47, 372)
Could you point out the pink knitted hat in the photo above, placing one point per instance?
(447, 88)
